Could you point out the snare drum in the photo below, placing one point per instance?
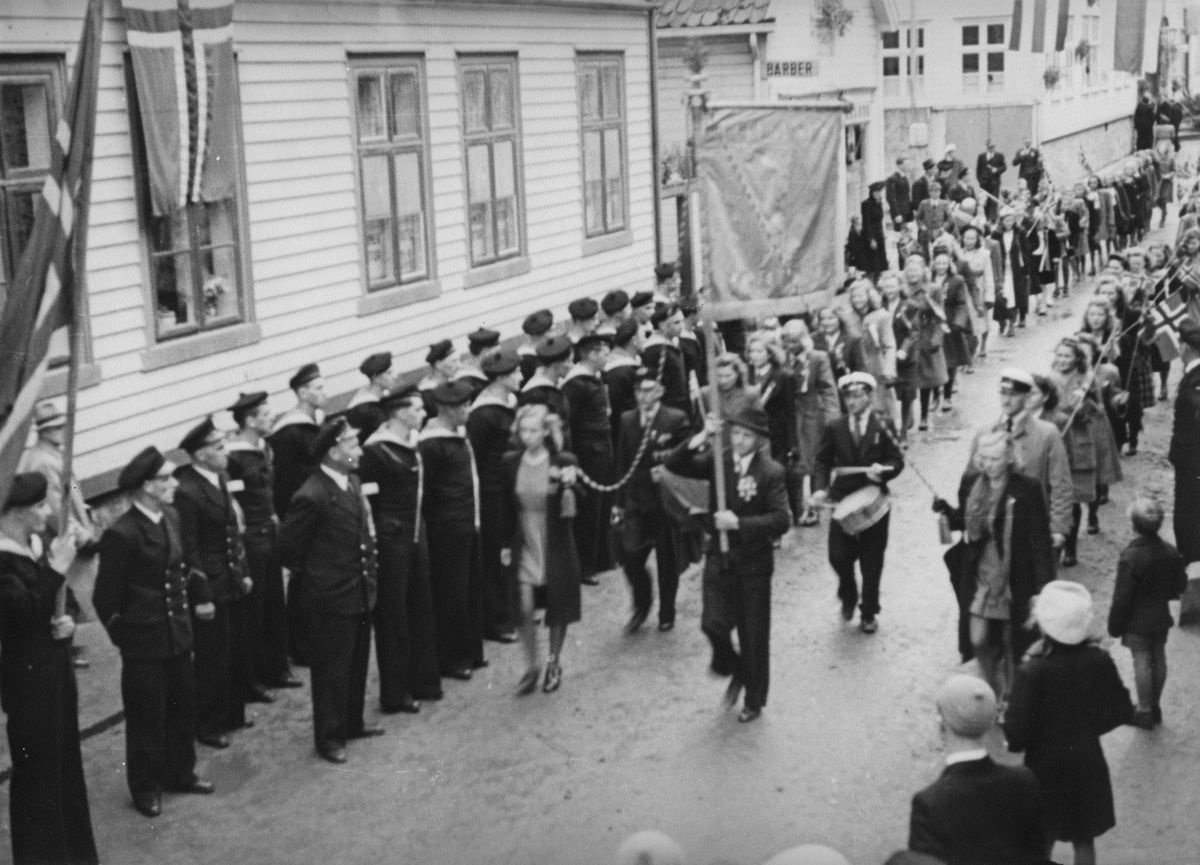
(861, 509)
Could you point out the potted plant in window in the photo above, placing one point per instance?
(1051, 77)
(1083, 50)
(216, 288)
(832, 19)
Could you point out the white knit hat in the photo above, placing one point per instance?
(1064, 612)
(809, 854)
(649, 847)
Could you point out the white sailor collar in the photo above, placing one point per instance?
(538, 379)
(33, 552)
(295, 417)
(580, 371)
(239, 444)
(657, 339)
(509, 401)
(469, 372)
(619, 360)
(362, 396)
(527, 350)
(383, 434)
(440, 432)
(687, 334)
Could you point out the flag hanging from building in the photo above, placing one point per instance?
(182, 53)
(1129, 41)
(768, 181)
(1166, 316)
(42, 298)
(1040, 9)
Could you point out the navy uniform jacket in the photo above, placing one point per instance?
(253, 467)
(451, 491)
(489, 429)
(209, 532)
(620, 379)
(669, 428)
(292, 440)
(364, 414)
(674, 377)
(29, 654)
(396, 467)
(694, 358)
(839, 450)
(328, 537)
(476, 379)
(587, 405)
(980, 813)
(759, 499)
(539, 390)
(141, 594)
(1185, 436)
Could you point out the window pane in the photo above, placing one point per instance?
(616, 204)
(970, 63)
(218, 268)
(970, 35)
(610, 90)
(891, 66)
(172, 275)
(479, 174)
(505, 169)
(410, 216)
(21, 208)
(406, 106)
(475, 116)
(480, 216)
(25, 126)
(995, 34)
(995, 62)
(214, 223)
(891, 39)
(589, 93)
(591, 155)
(506, 225)
(372, 118)
(612, 153)
(504, 156)
(593, 183)
(169, 233)
(502, 98)
(377, 188)
(380, 260)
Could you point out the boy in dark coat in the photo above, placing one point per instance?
(737, 583)
(1150, 573)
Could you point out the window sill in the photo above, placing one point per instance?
(495, 272)
(201, 345)
(55, 382)
(606, 242)
(397, 296)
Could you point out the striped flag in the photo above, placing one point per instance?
(182, 53)
(1130, 39)
(1165, 316)
(42, 297)
(1040, 8)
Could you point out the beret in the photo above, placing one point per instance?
(876, 186)
(140, 469)
(28, 488)
(614, 302)
(304, 375)
(331, 433)
(1189, 332)
(500, 362)
(47, 415)
(928, 163)
(589, 341)
(967, 704)
(664, 270)
(583, 308)
(537, 323)
(1064, 611)
(662, 311)
(379, 362)
(553, 349)
(402, 397)
(198, 436)
(452, 393)
(439, 351)
(248, 402)
(626, 331)
(642, 298)
(852, 378)
(1018, 377)
(482, 339)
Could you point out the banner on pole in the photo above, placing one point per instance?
(768, 180)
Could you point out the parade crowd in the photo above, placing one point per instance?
(477, 504)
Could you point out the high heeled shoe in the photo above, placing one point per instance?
(553, 677)
(528, 683)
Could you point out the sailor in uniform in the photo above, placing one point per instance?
(615, 306)
(620, 373)
(363, 412)
(554, 359)
(469, 369)
(585, 319)
(443, 363)
(536, 325)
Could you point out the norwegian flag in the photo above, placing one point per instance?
(42, 298)
(1165, 316)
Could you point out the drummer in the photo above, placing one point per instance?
(857, 457)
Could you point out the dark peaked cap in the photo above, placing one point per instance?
(376, 363)
(140, 469)
(304, 375)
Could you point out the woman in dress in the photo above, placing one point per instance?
(815, 401)
(1131, 357)
(771, 380)
(1004, 558)
(928, 321)
(1064, 698)
(978, 258)
(873, 348)
(831, 338)
(950, 288)
(1044, 253)
(539, 506)
(1164, 160)
(893, 302)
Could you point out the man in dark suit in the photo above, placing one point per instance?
(1184, 452)
(214, 553)
(328, 536)
(920, 187)
(291, 440)
(141, 597)
(860, 439)
(1028, 163)
(1143, 123)
(989, 168)
(645, 524)
(899, 195)
(737, 584)
(977, 812)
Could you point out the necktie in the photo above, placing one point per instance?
(1008, 426)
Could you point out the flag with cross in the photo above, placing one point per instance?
(1165, 317)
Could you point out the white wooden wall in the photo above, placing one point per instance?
(730, 71)
(305, 239)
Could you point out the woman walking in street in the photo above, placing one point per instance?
(903, 334)
(1064, 698)
(815, 397)
(928, 321)
(772, 381)
(952, 290)
(539, 506)
(978, 257)
(873, 345)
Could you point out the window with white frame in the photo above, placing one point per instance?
(899, 56)
(1088, 37)
(394, 169)
(493, 143)
(983, 47)
(602, 120)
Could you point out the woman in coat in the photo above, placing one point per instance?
(895, 303)
(977, 256)
(1003, 560)
(539, 505)
(945, 283)
(928, 319)
(831, 338)
(1064, 698)
(874, 247)
(815, 401)
(873, 345)
(1131, 357)
(771, 379)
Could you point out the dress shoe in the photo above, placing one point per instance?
(480, 664)
(247, 724)
(636, 621)
(335, 754)
(462, 674)
(198, 786)
(1069, 560)
(258, 695)
(287, 681)
(1143, 718)
(215, 741)
(1093, 527)
(368, 733)
(409, 707)
(149, 804)
(501, 636)
(733, 692)
(747, 715)
(666, 626)
(528, 683)
(1156, 713)
(590, 580)
(868, 625)
(847, 612)
(553, 677)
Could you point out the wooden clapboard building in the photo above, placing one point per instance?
(397, 172)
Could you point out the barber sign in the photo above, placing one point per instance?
(792, 69)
